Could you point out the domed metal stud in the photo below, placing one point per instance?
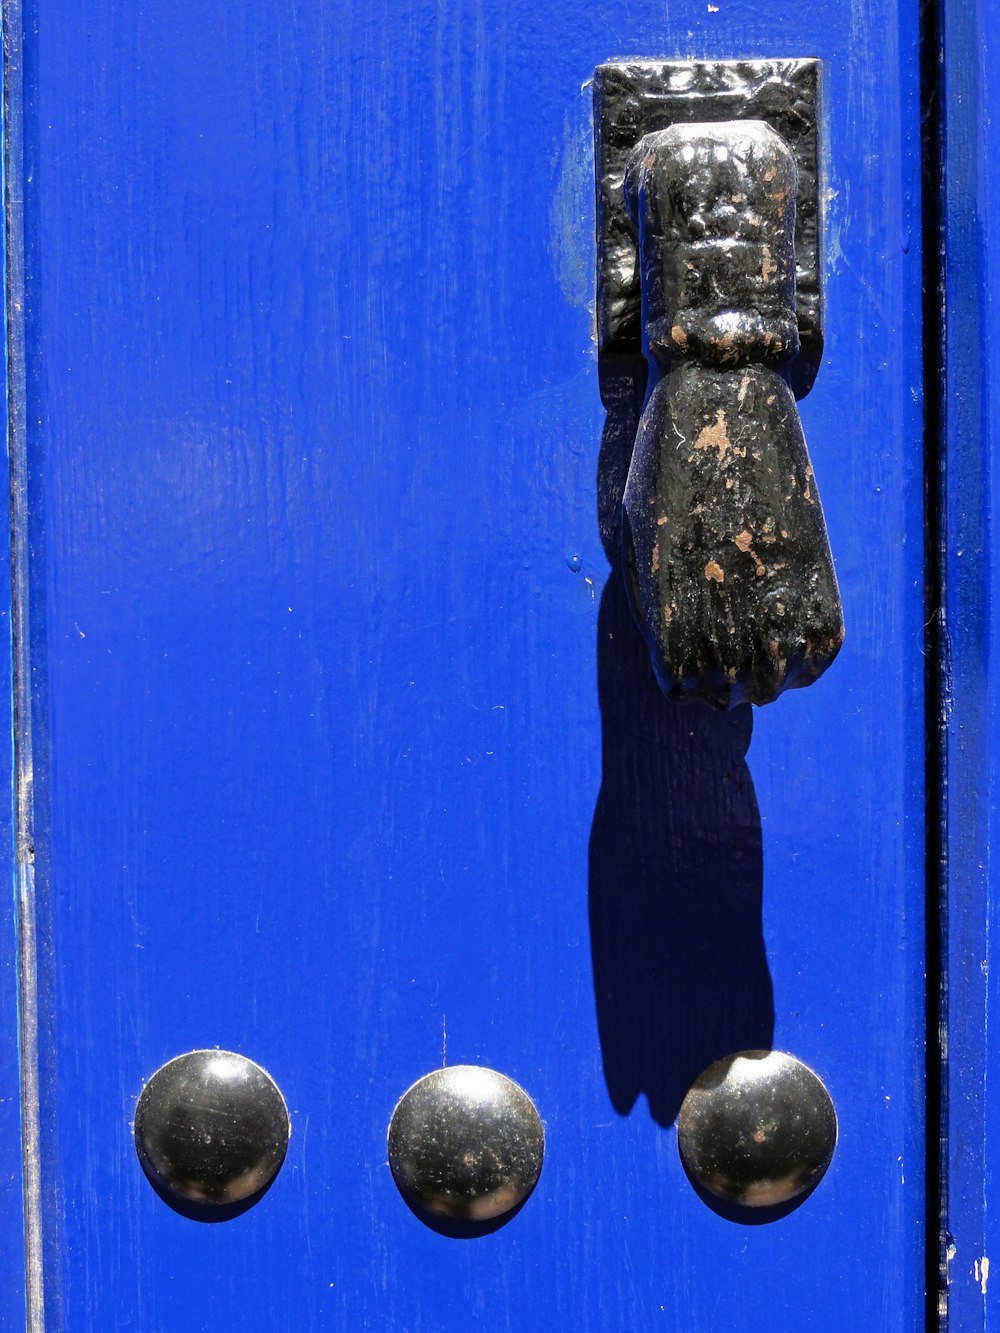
(466, 1145)
(757, 1129)
(211, 1130)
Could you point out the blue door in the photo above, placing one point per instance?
(336, 745)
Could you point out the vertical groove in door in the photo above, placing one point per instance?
(962, 171)
(23, 834)
(935, 667)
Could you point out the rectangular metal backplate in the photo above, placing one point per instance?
(632, 98)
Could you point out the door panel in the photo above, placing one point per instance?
(348, 758)
(967, 412)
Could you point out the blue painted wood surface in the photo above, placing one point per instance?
(345, 757)
(14, 904)
(970, 219)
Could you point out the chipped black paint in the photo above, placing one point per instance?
(633, 98)
(725, 546)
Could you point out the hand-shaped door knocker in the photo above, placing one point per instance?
(725, 547)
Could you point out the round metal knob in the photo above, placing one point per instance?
(465, 1143)
(757, 1128)
(211, 1129)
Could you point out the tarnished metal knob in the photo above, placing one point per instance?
(211, 1129)
(757, 1129)
(465, 1143)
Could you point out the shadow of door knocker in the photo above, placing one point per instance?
(709, 270)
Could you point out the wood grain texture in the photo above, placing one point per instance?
(20, 1226)
(343, 765)
(969, 644)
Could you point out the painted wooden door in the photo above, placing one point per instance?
(344, 752)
